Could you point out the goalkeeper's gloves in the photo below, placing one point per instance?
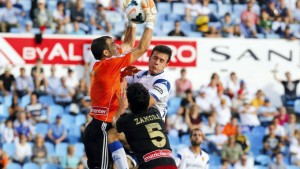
(150, 12)
(129, 23)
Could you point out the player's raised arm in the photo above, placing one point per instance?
(144, 43)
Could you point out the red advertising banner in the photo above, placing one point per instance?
(71, 50)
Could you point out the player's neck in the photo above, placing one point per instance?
(195, 149)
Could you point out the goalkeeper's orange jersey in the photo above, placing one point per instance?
(105, 83)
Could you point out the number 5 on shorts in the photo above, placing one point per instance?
(156, 133)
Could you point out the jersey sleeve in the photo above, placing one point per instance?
(178, 160)
(160, 88)
(122, 61)
(129, 79)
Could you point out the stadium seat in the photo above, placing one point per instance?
(113, 16)
(173, 105)
(68, 120)
(213, 8)
(50, 166)
(194, 34)
(164, 8)
(46, 100)
(238, 9)
(61, 149)
(54, 111)
(292, 167)
(26, 4)
(178, 8)
(263, 160)
(7, 100)
(214, 160)
(79, 149)
(50, 148)
(185, 139)
(3, 112)
(224, 8)
(51, 4)
(256, 9)
(118, 27)
(31, 166)
(173, 17)
(260, 167)
(74, 134)
(297, 106)
(295, 27)
(174, 140)
(14, 30)
(9, 148)
(25, 100)
(14, 166)
(259, 130)
(272, 36)
(41, 128)
(80, 119)
(167, 26)
(185, 26)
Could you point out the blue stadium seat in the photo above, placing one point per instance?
(272, 36)
(194, 34)
(74, 134)
(3, 112)
(174, 140)
(118, 27)
(214, 160)
(238, 9)
(173, 105)
(7, 100)
(31, 166)
(260, 35)
(292, 167)
(14, 166)
(213, 8)
(164, 8)
(297, 106)
(185, 26)
(68, 120)
(263, 160)
(46, 100)
(79, 149)
(50, 148)
(26, 4)
(178, 8)
(185, 139)
(256, 9)
(295, 27)
(173, 17)
(41, 128)
(260, 167)
(259, 130)
(51, 4)
(9, 148)
(215, 24)
(114, 16)
(50, 166)
(55, 110)
(80, 119)
(14, 30)
(167, 26)
(61, 149)
(25, 100)
(224, 8)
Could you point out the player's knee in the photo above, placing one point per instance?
(112, 135)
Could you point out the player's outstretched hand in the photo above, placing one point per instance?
(125, 3)
(129, 71)
(123, 102)
(150, 12)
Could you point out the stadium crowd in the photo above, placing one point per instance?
(195, 18)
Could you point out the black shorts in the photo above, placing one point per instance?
(95, 143)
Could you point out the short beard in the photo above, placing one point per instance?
(195, 144)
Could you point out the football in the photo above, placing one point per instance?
(135, 12)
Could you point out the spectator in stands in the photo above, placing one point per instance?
(230, 128)
(35, 110)
(243, 88)
(248, 16)
(265, 24)
(37, 73)
(177, 31)
(64, 94)
(272, 10)
(271, 142)
(212, 89)
(81, 97)
(192, 10)
(8, 134)
(294, 149)
(7, 83)
(204, 103)
(296, 12)
(237, 103)
(282, 116)
(57, 132)
(217, 141)
(290, 87)
(279, 163)
(71, 79)
(23, 126)
(39, 155)
(284, 11)
(70, 161)
(213, 32)
(237, 31)
(258, 100)
(248, 30)
(10, 16)
(220, 96)
(4, 160)
(291, 126)
(78, 15)
(28, 28)
(76, 29)
(267, 112)
(193, 117)
(60, 29)
(248, 115)
(225, 164)
(24, 84)
(232, 151)
(42, 16)
(83, 126)
(242, 139)
(279, 130)
(288, 34)
(14, 108)
(209, 128)
(100, 18)
(182, 84)
(227, 26)
(223, 113)
(244, 162)
(233, 85)
(53, 82)
(60, 16)
(23, 150)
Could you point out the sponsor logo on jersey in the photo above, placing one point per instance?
(157, 154)
(158, 89)
(97, 110)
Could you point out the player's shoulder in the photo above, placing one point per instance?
(204, 154)
(184, 151)
(141, 74)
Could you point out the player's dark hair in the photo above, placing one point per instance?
(192, 131)
(138, 98)
(98, 46)
(163, 49)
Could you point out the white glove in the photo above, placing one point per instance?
(125, 4)
(150, 12)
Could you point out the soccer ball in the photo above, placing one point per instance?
(135, 12)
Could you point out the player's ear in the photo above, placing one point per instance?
(105, 52)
